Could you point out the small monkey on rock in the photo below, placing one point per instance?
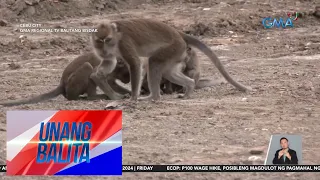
(165, 47)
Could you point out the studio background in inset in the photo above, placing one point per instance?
(295, 143)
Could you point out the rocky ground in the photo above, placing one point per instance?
(219, 125)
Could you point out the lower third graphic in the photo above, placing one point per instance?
(64, 142)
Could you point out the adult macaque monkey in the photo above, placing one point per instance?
(163, 45)
(75, 81)
(105, 47)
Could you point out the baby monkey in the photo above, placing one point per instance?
(191, 69)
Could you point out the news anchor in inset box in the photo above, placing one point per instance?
(285, 155)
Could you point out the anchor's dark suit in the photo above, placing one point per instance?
(293, 154)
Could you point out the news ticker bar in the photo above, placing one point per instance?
(214, 168)
(221, 168)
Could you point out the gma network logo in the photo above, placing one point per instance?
(268, 22)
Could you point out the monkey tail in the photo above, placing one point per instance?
(202, 83)
(208, 52)
(205, 82)
(46, 96)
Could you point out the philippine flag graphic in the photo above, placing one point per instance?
(64, 142)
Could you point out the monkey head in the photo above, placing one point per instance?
(105, 39)
(121, 72)
(190, 54)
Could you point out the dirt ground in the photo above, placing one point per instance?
(219, 125)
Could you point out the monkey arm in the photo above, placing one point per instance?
(105, 87)
(117, 87)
